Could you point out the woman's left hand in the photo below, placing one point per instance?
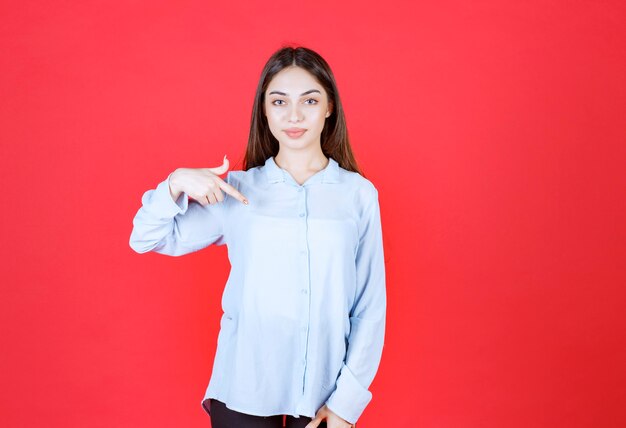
(332, 419)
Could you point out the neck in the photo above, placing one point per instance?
(301, 161)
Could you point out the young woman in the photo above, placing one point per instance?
(304, 306)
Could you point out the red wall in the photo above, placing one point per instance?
(494, 131)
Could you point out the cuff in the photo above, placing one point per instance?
(349, 399)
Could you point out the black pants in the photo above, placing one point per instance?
(223, 417)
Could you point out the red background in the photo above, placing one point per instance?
(493, 130)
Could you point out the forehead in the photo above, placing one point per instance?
(294, 80)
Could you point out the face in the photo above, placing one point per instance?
(294, 99)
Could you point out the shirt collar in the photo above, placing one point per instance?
(275, 174)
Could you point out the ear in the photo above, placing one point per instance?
(330, 109)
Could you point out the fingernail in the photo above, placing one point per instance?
(245, 201)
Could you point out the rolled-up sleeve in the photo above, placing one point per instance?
(367, 320)
(179, 227)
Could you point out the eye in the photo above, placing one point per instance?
(276, 101)
(312, 99)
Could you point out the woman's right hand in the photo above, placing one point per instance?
(203, 184)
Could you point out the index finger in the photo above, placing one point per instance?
(232, 191)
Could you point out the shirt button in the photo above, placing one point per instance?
(301, 214)
(303, 252)
(304, 291)
(299, 189)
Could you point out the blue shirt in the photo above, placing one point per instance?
(305, 301)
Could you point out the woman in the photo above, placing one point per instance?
(302, 332)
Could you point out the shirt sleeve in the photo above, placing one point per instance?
(179, 227)
(367, 321)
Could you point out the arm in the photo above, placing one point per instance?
(367, 320)
(176, 227)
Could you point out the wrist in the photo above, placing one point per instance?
(172, 182)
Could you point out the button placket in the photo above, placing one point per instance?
(304, 290)
(305, 276)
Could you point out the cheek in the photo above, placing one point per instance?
(273, 114)
(319, 118)
(272, 119)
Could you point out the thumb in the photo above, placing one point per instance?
(219, 170)
(314, 423)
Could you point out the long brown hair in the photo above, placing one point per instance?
(334, 138)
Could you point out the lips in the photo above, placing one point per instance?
(295, 132)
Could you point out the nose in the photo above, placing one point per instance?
(294, 115)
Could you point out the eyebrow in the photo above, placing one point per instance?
(302, 94)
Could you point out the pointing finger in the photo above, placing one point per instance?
(232, 191)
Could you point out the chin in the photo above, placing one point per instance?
(294, 143)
